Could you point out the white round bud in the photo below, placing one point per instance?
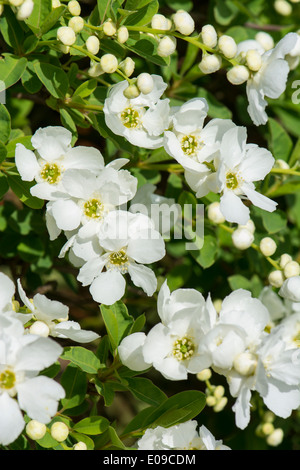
(66, 35)
(214, 213)
(109, 63)
(245, 364)
(204, 375)
(39, 328)
(238, 75)
(276, 438)
(145, 83)
(25, 10)
(166, 46)
(283, 7)
(122, 34)
(93, 45)
(249, 226)
(220, 405)
(254, 60)
(160, 22)
(80, 446)
(291, 269)
(228, 46)
(267, 429)
(276, 278)
(183, 22)
(76, 23)
(35, 430)
(16, 3)
(284, 260)
(242, 238)
(219, 392)
(127, 66)
(74, 8)
(269, 417)
(268, 246)
(211, 401)
(109, 28)
(59, 431)
(210, 63)
(56, 4)
(265, 40)
(131, 92)
(209, 36)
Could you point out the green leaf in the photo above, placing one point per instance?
(146, 10)
(103, 8)
(83, 358)
(74, 381)
(86, 88)
(92, 426)
(207, 255)
(224, 12)
(106, 391)
(22, 190)
(146, 47)
(5, 124)
(216, 109)
(52, 19)
(289, 119)
(41, 11)
(296, 154)
(53, 78)
(274, 222)
(291, 187)
(117, 321)
(3, 152)
(4, 187)
(143, 389)
(11, 69)
(280, 142)
(31, 248)
(11, 29)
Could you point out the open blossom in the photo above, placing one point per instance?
(52, 156)
(22, 357)
(182, 436)
(141, 120)
(270, 81)
(50, 318)
(126, 242)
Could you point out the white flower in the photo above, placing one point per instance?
(240, 165)
(52, 157)
(270, 80)
(182, 436)
(140, 120)
(90, 197)
(51, 318)
(125, 243)
(22, 357)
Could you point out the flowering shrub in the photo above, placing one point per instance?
(149, 225)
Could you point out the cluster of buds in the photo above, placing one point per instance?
(142, 84)
(214, 394)
(243, 236)
(289, 268)
(67, 35)
(24, 8)
(266, 430)
(110, 29)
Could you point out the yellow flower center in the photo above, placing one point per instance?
(130, 118)
(7, 379)
(51, 173)
(190, 145)
(232, 181)
(93, 209)
(118, 260)
(183, 348)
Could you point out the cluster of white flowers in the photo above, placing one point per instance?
(180, 437)
(241, 342)
(23, 8)
(85, 200)
(216, 157)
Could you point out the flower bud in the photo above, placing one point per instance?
(35, 430)
(59, 431)
(214, 213)
(242, 238)
(109, 63)
(66, 35)
(210, 63)
(276, 438)
(228, 46)
(122, 34)
(183, 22)
(204, 375)
(284, 260)
(127, 66)
(219, 392)
(93, 45)
(218, 305)
(283, 7)
(25, 10)
(95, 69)
(16, 3)
(267, 429)
(269, 417)
(160, 22)
(166, 46)
(281, 164)
(220, 405)
(109, 28)
(131, 92)
(209, 36)
(276, 278)
(74, 8)
(64, 49)
(145, 83)
(265, 40)
(1, 9)
(76, 23)
(268, 246)
(254, 60)
(80, 446)
(291, 269)
(238, 75)
(39, 328)
(56, 4)
(291, 289)
(249, 226)
(211, 401)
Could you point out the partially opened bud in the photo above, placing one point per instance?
(132, 92)
(127, 66)
(238, 75)
(109, 63)
(66, 35)
(210, 63)
(183, 22)
(166, 46)
(39, 328)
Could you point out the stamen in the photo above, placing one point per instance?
(93, 209)
(7, 379)
(118, 260)
(130, 118)
(51, 173)
(183, 348)
(232, 180)
(190, 144)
